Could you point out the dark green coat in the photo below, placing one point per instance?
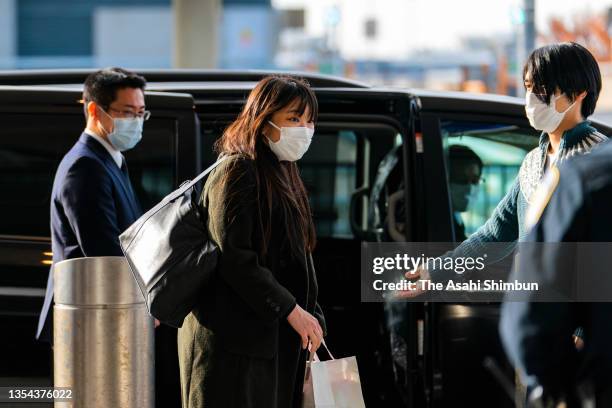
(236, 348)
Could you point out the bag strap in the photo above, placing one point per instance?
(328, 352)
(313, 355)
(188, 184)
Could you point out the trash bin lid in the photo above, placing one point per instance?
(95, 281)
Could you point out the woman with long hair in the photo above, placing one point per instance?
(246, 342)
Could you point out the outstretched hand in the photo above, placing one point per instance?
(418, 276)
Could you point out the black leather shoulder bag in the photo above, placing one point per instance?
(170, 253)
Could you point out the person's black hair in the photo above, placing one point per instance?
(101, 86)
(569, 67)
(460, 155)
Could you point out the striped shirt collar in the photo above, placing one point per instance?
(581, 139)
(571, 137)
(577, 140)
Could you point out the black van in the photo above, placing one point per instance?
(432, 355)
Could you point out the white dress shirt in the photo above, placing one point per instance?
(115, 154)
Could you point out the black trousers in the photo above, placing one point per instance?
(167, 379)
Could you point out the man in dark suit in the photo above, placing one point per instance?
(570, 214)
(92, 200)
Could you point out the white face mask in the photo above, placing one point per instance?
(542, 116)
(293, 142)
(126, 133)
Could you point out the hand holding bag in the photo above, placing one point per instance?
(170, 253)
(334, 383)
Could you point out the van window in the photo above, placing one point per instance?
(482, 160)
(32, 147)
(329, 170)
(152, 163)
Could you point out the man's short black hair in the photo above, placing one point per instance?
(101, 87)
(569, 67)
(460, 156)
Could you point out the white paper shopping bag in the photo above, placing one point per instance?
(336, 383)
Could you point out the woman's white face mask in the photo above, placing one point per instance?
(542, 116)
(293, 143)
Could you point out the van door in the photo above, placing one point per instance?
(348, 174)
(460, 338)
(39, 125)
(357, 129)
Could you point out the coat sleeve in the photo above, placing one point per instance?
(318, 311)
(502, 228)
(87, 200)
(239, 264)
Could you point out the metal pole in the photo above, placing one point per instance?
(526, 36)
(196, 25)
(102, 334)
(530, 29)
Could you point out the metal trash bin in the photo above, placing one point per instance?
(103, 335)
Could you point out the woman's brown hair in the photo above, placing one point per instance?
(275, 182)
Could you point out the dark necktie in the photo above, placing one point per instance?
(124, 168)
(126, 175)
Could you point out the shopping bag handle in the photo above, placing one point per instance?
(313, 357)
(313, 354)
(328, 352)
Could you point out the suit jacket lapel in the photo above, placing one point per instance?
(114, 171)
